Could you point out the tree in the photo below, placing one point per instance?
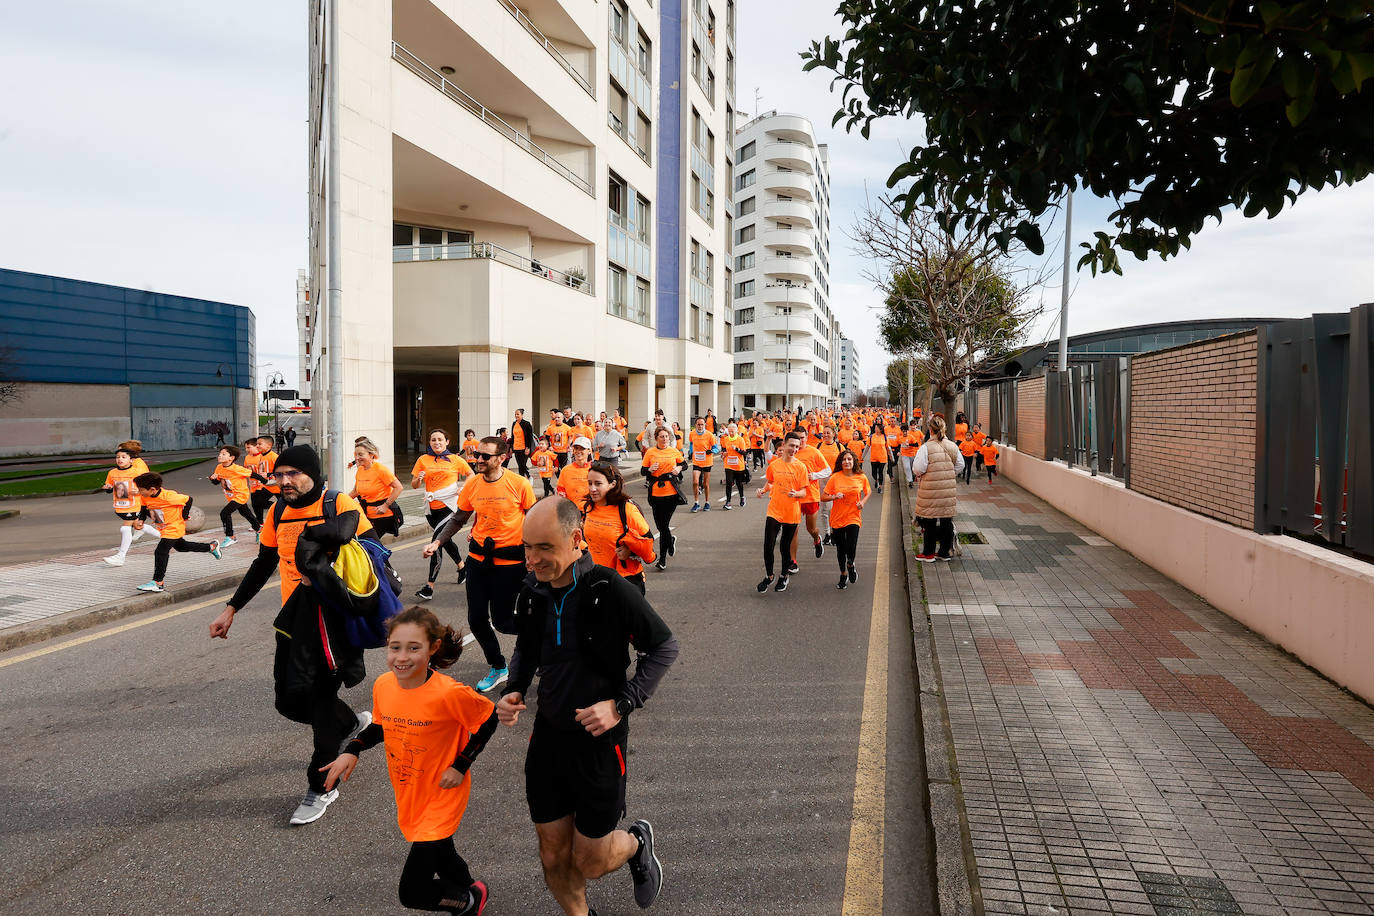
(1172, 111)
(952, 300)
(897, 378)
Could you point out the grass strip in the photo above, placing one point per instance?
(45, 472)
(82, 482)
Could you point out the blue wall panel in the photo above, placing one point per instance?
(668, 272)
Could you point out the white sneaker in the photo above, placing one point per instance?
(228, 542)
(312, 806)
(115, 560)
(364, 720)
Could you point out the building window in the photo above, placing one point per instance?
(745, 316)
(746, 152)
(744, 289)
(747, 206)
(744, 261)
(744, 344)
(644, 140)
(696, 62)
(615, 292)
(744, 234)
(710, 267)
(643, 218)
(641, 309)
(696, 324)
(618, 22)
(645, 57)
(618, 109)
(744, 370)
(711, 85)
(745, 181)
(616, 199)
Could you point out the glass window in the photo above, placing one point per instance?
(744, 344)
(744, 261)
(643, 218)
(616, 197)
(641, 312)
(744, 370)
(431, 236)
(747, 205)
(401, 234)
(615, 291)
(746, 151)
(744, 234)
(744, 289)
(745, 181)
(744, 316)
(618, 21)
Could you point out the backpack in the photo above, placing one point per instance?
(368, 610)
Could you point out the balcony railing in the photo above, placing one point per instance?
(437, 80)
(553, 52)
(466, 251)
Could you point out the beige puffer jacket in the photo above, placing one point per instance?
(937, 492)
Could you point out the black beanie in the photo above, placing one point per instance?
(303, 458)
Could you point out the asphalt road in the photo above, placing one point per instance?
(144, 770)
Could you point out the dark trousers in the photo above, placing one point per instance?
(164, 548)
(436, 517)
(434, 873)
(992, 471)
(968, 469)
(891, 463)
(939, 536)
(226, 515)
(756, 456)
(733, 480)
(262, 503)
(846, 541)
(548, 485)
(876, 469)
(663, 508)
(562, 459)
(771, 529)
(492, 591)
(522, 461)
(330, 718)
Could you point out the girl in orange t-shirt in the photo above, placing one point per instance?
(119, 483)
(617, 535)
(376, 488)
(441, 473)
(544, 461)
(433, 727)
(663, 466)
(847, 490)
(787, 482)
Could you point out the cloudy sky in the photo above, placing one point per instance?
(160, 145)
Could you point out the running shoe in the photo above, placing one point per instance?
(826, 540)
(782, 584)
(792, 568)
(726, 507)
(312, 806)
(152, 587)
(944, 559)
(215, 550)
(229, 541)
(462, 573)
(926, 557)
(843, 583)
(661, 565)
(763, 585)
(706, 507)
(645, 868)
(741, 502)
(115, 560)
(477, 899)
(364, 720)
(494, 676)
(672, 547)
(853, 576)
(820, 549)
(425, 594)
(696, 507)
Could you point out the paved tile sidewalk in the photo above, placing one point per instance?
(1124, 747)
(36, 591)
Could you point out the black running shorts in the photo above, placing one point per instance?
(570, 772)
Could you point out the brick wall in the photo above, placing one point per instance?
(1030, 416)
(984, 418)
(1193, 427)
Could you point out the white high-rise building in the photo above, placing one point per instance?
(784, 329)
(535, 200)
(849, 371)
(304, 335)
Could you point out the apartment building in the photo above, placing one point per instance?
(849, 371)
(304, 338)
(535, 201)
(784, 329)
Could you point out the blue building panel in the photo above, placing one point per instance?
(668, 239)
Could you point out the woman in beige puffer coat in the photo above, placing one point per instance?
(936, 466)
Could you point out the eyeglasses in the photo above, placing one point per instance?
(485, 456)
(283, 475)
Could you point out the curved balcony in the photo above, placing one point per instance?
(798, 270)
(790, 127)
(790, 155)
(798, 382)
(796, 241)
(788, 184)
(796, 212)
(797, 325)
(797, 353)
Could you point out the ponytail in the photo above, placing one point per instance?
(450, 640)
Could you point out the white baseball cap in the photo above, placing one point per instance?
(582, 442)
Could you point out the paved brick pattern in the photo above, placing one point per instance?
(1123, 747)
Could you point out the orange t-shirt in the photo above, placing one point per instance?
(423, 729)
(265, 465)
(979, 437)
(122, 483)
(166, 511)
(756, 436)
(734, 448)
(601, 527)
(498, 509)
(440, 474)
(911, 444)
(830, 451)
(877, 447)
(572, 483)
(894, 436)
(785, 476)
(517, 438)
(233, 478)
(856, 445)
(845, 436)
(844, 510)
(960, 431)
(586, 429)
(544, 462)
(967, 448)
(374, 485)
(989, 453)
(666, 459)
(702, 443)
(294, 520)
(810, 456)
(559, 436)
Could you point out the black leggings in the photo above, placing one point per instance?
(164, 549)
(226, 515)
(846, 541)
(663, 508)
(939, 536)
(436, 517)
(876, 469)
(734, 479)
(771, 528)
(992, 471)
(435, 877)
(261, 501)
(522, 461)
(548, 485)
(492, 591)
(968, 468)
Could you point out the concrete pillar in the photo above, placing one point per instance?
(725, 398)
(640, 408)
(589, 388)
(676, 400)
(706, 398)
(483, 396)
(519, 392)
(548, 398)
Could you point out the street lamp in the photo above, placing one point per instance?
(233, 395)
(276, 381)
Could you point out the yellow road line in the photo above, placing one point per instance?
(156, 618)
(863, 874)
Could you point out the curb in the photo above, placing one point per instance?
(956, 887)
(8, 513)
(87, 618)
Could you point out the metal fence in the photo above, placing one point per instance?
(1314, 470)
(1001, 398)
(1087, 416)
(463, 251)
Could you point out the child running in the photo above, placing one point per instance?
(167, 510)
(261, 459)
(234, 479)
(376, 488)
(787, 482)
(544, 461)
(989, 452)
(848, 489)
(663, 465)
(433, 728)
(440, 472)
(120, 483)
(612, 525)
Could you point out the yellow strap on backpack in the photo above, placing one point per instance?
(354, 569)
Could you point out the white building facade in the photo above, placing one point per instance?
(534, 212)
(849, 371)
(305, 343)
(784, 329)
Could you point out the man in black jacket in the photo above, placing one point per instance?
(522, 455)
(577, 622)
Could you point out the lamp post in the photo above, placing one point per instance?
(275, 381)
(233, 396)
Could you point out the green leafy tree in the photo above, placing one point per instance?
(1172, 111)
(896, 381)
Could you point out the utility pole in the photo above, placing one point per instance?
(910, 386)
(787, 326)
(335, 326)
(1064, 290)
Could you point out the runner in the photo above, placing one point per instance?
(314, 657)
(559, 435)
(817, 472)
(265, 465)
(572, 480)
(758, 438)
(735, 447)
(496, 500)
(119, 482)
(608, 443)
(663, 466)
(877, 456)
(233, 478)
(544, 462)
(968, 448)
(376, 489)
(830, 450)
(434, 728)
(441, 473)
(469, 444)
(577, 625)
(989, 452)
(847, 489)
(522, 441)
(894, 442)
(786, 480)
(702, 448)
(167, 510)
(255, 460)
(911, 442)
(615, 530)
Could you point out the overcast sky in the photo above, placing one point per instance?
(160, 145)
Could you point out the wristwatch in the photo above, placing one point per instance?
(623, 707)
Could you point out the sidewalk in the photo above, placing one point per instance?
(82, 590)
(1123, 747)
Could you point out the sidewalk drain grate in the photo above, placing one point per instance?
(972, 537)
(1183, 894)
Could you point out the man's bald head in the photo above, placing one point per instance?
(552, 539)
